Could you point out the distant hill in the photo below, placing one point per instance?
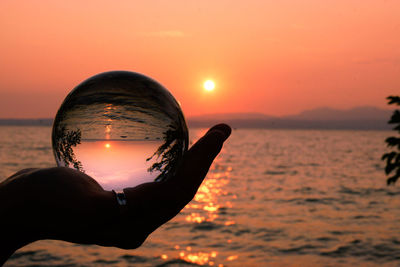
(359, 118)
(358, 113)
(232, 116)
(26, 122)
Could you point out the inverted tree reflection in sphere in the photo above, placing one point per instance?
(122, 128)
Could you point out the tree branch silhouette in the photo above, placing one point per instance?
(393, 158)
(64, 144)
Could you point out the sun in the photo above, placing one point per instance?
(209, 85)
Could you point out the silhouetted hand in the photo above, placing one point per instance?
(64, 204)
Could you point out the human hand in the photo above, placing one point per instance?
(65, 204)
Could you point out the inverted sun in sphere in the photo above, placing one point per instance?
(209, 85)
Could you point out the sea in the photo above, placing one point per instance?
(271, 198)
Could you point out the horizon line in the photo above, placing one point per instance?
(232, 113)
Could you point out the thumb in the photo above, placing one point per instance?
(198, 159)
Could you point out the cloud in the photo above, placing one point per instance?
(167, 34)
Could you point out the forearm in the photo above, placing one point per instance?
(10, 243)
(7, 248)
(4, 255)
(12, 238)
(13, 234)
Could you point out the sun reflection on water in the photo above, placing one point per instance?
(200, 258)
(205, 208)
(107, 112)
(207, 198)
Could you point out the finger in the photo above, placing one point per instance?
(221, 127)
(191, 173)
(156, 203)
(198, 160)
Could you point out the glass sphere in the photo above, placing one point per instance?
(121, 128)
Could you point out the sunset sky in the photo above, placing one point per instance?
(273, 57)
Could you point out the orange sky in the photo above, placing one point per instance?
(274, 57)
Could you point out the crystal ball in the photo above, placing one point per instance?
(121, 128)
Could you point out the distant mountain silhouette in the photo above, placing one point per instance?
(358, 113)
(27, 122)
(232, 116)
(359, 118)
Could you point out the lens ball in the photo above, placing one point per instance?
(121, 128)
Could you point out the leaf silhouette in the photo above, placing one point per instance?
(393, 158)
(169, 153)
(63, 147)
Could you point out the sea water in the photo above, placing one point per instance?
(271, 198)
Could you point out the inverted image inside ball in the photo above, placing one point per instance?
(122, 128)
